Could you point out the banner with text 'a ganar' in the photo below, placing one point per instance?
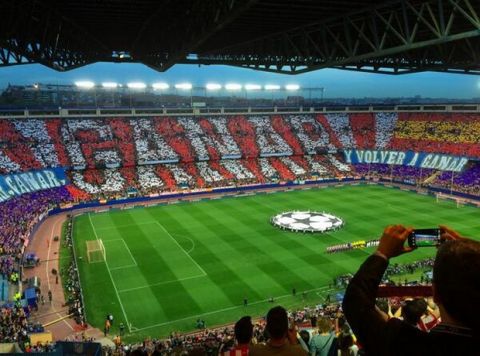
(408, 158)
(13, 185)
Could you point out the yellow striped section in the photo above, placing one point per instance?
(449, 131)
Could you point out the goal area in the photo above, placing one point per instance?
(95, 251)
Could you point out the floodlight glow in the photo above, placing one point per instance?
(160, 86)
(253, 87)
(233, 86)
(136, 85)
(109, 85)
(292, 86)
(272, 87)
(85, 84)
(183, 86)
(213, 86)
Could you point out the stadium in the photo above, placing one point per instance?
(153, 216)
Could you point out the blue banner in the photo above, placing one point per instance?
(17, 184)
(409, 158)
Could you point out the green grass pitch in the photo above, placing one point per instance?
(168, 265)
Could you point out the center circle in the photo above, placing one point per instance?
(307, 221)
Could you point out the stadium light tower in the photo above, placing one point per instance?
(160, 86)
(213, 86)
(109, 85)
(136, 85)
(253, 87)
(292, 87)
(85, 84)
(233, 86)
(272, 87)
(183, 86)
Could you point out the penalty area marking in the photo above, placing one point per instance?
(161, 283)
(124, 226)
(135, 329)
(188, 238)
(181, 248)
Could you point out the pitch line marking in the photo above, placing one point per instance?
(125, 226)
(122, 267)
(188, 238)
(223, 310)
(161, 283)
(181, 248)
(111, 278)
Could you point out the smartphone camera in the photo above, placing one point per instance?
(424, 238)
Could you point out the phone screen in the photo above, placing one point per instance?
(424, 238)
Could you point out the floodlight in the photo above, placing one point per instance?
(233, 86)
(253, 87)
(183, 86)
(136, 85)
(160, 86)
(213, 86)
(292, 86)
(85, 84)
(109, 85)
(272, 87)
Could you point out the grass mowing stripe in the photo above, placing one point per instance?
(110, 274)
(219, 273)
(313, 259)
(226, 309)
(161, 283)
(271, 266)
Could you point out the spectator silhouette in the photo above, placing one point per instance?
(282, 339)
(243, 335)
(455, 288)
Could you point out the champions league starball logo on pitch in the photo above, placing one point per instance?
(307, 221)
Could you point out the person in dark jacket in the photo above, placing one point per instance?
(456, 290)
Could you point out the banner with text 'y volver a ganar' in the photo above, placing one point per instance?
(408, 158)
(28, 182)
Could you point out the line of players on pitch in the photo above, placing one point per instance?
(352, 246)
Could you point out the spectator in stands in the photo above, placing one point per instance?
(321, 343)
(456, 266)
(282, 339)
(413, 310)
(243, 335)
(346, 346)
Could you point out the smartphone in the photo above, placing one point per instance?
(424, 238)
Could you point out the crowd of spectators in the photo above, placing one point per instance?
(114, 142)
(454, 134)
(13, 324)
(467, 181)
(18, 217)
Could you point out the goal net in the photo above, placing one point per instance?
(95, 251)
(459, 201)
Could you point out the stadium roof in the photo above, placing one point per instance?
(394, 37)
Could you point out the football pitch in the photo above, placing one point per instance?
(169, 265)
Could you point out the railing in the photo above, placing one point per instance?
(212, 111)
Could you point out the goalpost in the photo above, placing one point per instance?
(96, 251)
(457, 200)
